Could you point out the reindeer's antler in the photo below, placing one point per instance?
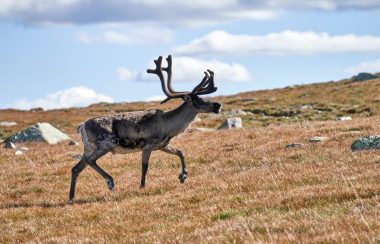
(206, 86)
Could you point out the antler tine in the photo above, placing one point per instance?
(158, 72)
(209, 86)
(206, 86)
(168, 70)
(209, 83)
(201, 84)
(212, 77)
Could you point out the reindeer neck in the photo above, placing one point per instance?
(178, 119)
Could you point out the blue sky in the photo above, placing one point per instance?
(64, 53)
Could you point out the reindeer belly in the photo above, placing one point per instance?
(124, 146)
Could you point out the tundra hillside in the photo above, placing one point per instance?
(243, 185)
(313, 102)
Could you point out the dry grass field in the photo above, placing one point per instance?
(243, 186)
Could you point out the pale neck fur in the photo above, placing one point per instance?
(178, 119)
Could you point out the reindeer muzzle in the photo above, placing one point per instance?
(217, 108)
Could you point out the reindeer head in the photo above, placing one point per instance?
(206, 86)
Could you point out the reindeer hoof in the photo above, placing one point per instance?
(182, 178)
(110, 184)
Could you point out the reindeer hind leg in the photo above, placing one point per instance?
(91, 161)
(75, 171)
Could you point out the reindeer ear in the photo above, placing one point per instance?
(187, 99)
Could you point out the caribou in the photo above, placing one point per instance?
(144, 131)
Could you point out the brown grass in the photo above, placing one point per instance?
(243, 186)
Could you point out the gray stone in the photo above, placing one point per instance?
(6, 123)
(306, 107)
(293, 145)
(363, 77)
(213, 116)
(39, 132)
(235, 112)
(73, 143)
(9, 144)
(366, 143)
(318, 139)
(230, 123)
(19, 152)
(344, 118)
(238, 112)
(34, 110)
(197, 119)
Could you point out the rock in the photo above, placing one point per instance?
(36, 110)
(6, 123)
(294, 145)
(234, 122)
(344, 118)
(306, 107)
(215, 116)
(9, 144)
(73, 143)
(19, 152)
(363, 77)
(23, 148)
(39, 132)
(366, 143)
(238, 112)
(235, 112)
(197, 119)
(318, 139)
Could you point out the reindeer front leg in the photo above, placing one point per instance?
(169, 149)
(145, 163)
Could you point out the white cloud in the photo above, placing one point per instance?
(191, 69)
(11, 6)
(125, 74)
(369, 66)
(142, 35)
(168, 11)
(326, 5)
(155, 98)
(72, 97)
(282, 43)
(251, 14)
(85, 38)
(180, 12)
